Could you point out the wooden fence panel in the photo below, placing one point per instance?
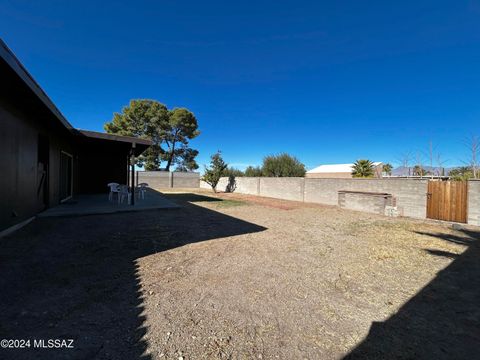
(447, 200)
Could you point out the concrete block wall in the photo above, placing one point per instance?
(243, 185)
(287, 188)
(221, 186)
(280, 188)
(165, 179)
(410, 194)
(473, 210)
(185, 180)
(247, 185)
(155, 179)
(204, 185)
(364, 201)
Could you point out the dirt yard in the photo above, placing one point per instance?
(239, 277)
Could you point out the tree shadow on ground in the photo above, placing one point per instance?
(231, 185)
(76, 277)
(442, 321)
(182, 198)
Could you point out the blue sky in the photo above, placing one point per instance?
(327, 81)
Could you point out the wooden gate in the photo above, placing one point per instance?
(447, 200)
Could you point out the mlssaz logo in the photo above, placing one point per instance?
(53, 343)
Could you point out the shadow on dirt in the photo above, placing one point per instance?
(76, 277)
(443, 320)
(190, 197)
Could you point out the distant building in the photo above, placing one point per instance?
(339, 171)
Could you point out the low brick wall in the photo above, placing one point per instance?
(165, 179)
(409, 195)
(365, 201)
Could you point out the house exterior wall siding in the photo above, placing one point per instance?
(19, 183)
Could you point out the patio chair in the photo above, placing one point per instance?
(123, 193)
(113, 190)
(142, 189)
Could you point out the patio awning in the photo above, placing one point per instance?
(139, 145)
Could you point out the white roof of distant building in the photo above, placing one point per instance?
(335, 168)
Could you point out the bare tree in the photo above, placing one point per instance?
(440, 164)
(473, 145)
(404, 160)
(431, 155)
(419, 163)
(474, 150)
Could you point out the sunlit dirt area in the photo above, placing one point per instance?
(237, 277)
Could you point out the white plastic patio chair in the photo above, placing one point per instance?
(123, 193)
(142, 189)
(113, 190)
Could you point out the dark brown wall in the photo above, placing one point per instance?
(96, 162)
(22, 119)
(99, 163)
(19, 168)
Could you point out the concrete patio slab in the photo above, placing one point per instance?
(99, 204)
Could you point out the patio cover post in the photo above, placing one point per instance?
(128, 169)
(132, 182)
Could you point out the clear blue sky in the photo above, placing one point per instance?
(328, 81)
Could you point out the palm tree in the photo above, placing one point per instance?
(418, 170)
(363, 169)
(387, 169)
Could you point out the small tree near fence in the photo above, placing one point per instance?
(253, 171)
(215, 171)
(282, 165)
(231, 171)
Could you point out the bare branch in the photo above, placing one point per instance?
(404, 160)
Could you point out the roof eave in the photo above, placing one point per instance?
(113, 137)
(9, 57)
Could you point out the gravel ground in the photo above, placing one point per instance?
(240, 277)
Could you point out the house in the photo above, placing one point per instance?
(335, 171)
(45, 161)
